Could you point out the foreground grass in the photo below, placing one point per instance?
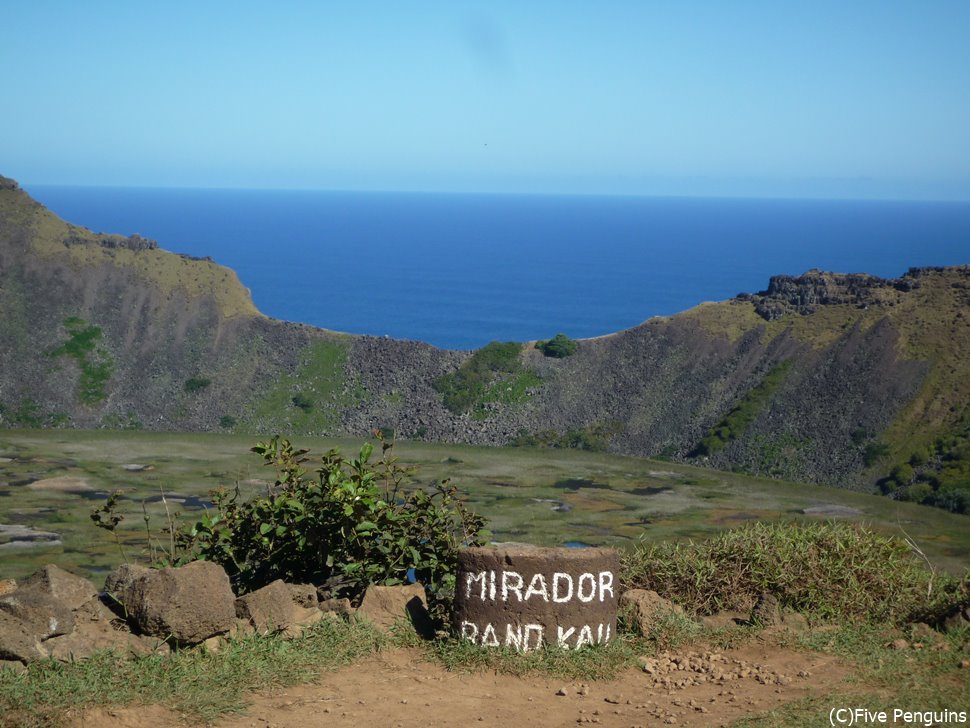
(196, 683)
(598, 662)
(928, 679)
(203, 686)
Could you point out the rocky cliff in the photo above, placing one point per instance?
(822, 377)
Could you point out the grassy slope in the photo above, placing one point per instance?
(156, 267)
(934, 326)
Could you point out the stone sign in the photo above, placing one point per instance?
(524, 596)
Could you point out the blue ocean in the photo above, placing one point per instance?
(458, 271)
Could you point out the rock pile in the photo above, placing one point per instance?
(56, 614)
(672, 671)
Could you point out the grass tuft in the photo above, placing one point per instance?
(829, 570)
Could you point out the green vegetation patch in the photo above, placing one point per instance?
(95, 363)
(310, 399)
(494, 373)
(831, 570)
(196, 384)
(594, 438)
(735, 422)
(558, 347)
(937, 475)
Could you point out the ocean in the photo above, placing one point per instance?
(460, 270)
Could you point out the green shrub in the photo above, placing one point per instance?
(196, 384)
(831, 570)
(874, 452)
(902, 474)
(227, 422)
(351, 525)
(559, 346)
(302, 402)
(27, 414)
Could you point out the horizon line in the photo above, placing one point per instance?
(501, 193)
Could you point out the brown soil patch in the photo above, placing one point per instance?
(63, 484)
(399, 688)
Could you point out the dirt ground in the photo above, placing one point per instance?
(400, 688)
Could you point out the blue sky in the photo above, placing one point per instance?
(820, 99)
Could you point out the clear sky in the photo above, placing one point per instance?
(846, 98)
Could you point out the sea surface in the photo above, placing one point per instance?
(458, 271)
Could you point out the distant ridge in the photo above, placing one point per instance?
(825, 377)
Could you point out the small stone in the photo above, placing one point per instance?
(562, 692)
(964, 664)
(898, 644)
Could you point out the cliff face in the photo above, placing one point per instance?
(805, 293)
(796, 381)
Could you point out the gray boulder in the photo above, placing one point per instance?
(17, 644)
(272, 609)
(185, 604)
(65, 587)
(97, 628)
(643, 608)
(42, 615)
(383, 606)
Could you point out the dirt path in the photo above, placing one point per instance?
(399, 688)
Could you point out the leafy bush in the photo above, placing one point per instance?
(196, 384)
(302, 401)
(559, 346)
(352, 525)
(492, 374)
(903, 474)
(735, 422)
(831, 570)
(227, 422)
